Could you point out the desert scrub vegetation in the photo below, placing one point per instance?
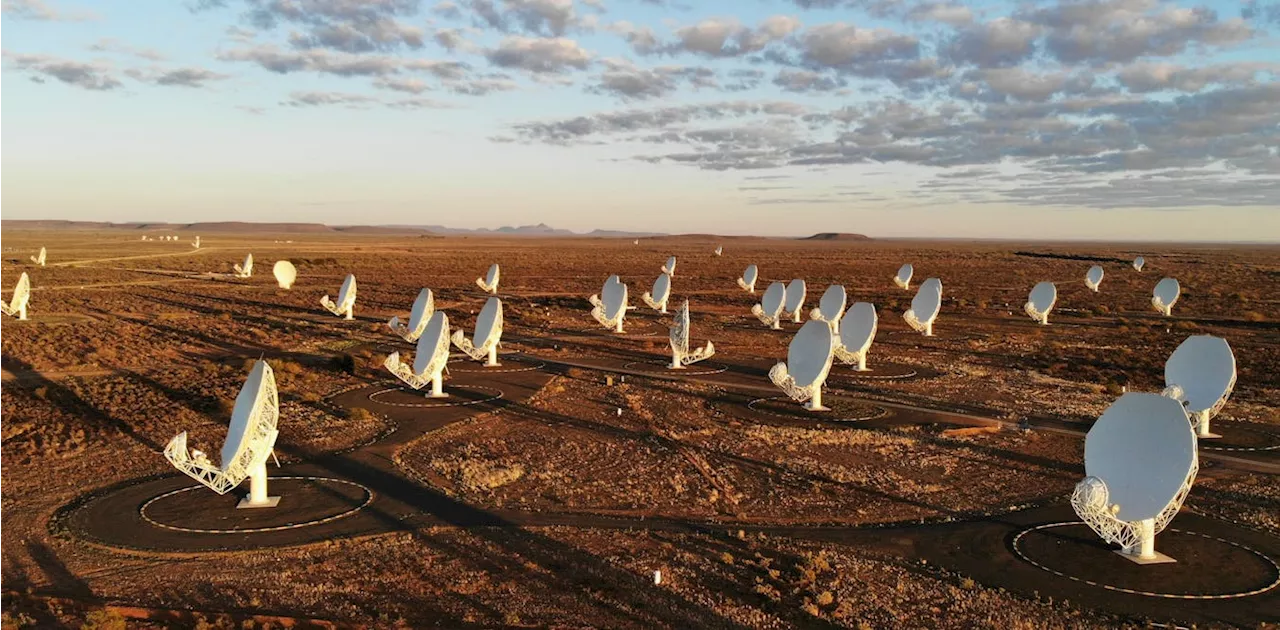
(475, 472)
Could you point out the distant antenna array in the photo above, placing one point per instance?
(1164, 295)
(489, 283)
(903, 279)
(423, 308)
(769, 310)
(1201, 373)
(808, 363)
(795, 299)
(657, 299)
(609, 307)
(857, 331)
(681, 356)
(1140, 460)
(286, 274)
(17, 304)
(245, 269)
(40, 257)
(748, 279)
(249, 443)
(1138, 263)
(345, 306)
(830, 306)
(429, 360)
(1093, 278)
(925, 306)
(1040, 301)
(483, 345)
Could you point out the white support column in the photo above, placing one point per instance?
(795, 317)
(777, 323)
(437, 387)
(351, 312)
(862, 362)
(493, 357)
(618, 327)
(928, 329)
(258, 489)
(1202, 426)
(815, 403)
(675, 360)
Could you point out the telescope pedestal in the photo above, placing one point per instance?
(258, 489)
(1144, 551)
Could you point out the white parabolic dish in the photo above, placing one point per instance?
(286, 274)
(809, 355)
(1139, 262)
(1094, 277)
(614, 297)
(1143, 448)
(661, 288)
(348, 288)
(795, 295)
(670, 267)
(903, 279)
(749, 276)
(486, 323)
(1167, 291)
(928, 300)
(245, 412)
(858, 328)
(491, 278)
(437, 328)
(1041, 300)
(419, 310)
(771, 301)
(831, 305)
(1204, 368)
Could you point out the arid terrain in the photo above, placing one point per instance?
(582, 465)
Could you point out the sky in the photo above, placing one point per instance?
(1055, 119)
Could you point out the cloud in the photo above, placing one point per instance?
(1262, 12)
(38, 10)
(177, 77)
(625, 80)
(545, 18)
(846, 47)
(274, 59)
(356, 101)
(110, 45)
(1153, 77)
(539, 55)
(97, 76)
(351, 26)
(945, 12)
(998, 43)
(806, 81)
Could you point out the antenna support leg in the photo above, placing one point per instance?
(1144, 551)
(815, 403)
(437, 387)
(675, 361)
(1202, 426)
(618, 328)
(258, 489)
(493, 357)
(795, 317)
(351, 313)
(928, 329)
(862, 362)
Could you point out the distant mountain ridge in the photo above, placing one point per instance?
(249, 227)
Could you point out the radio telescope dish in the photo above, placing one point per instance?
(1041, 300)
(39, 258)
(1165, 294)
(808, 362)
(490, 280)
(748, 279)
(925, 306)
(769, 310)
(670, 267)
(1093, 278)
(196, 243)
(245, 269)
(657, 299)
(903, 279)
(1201, 372)
(346, 299)
(285, 273)
(830, 307)
(483, 345)
(423, 308)
(857, 331)
(250, 440)
(429, 359)
(1140, 460)
(680, 353)
(1139, 262)
(795, 299)
(610, 309)
(17, 304)
(719, 250)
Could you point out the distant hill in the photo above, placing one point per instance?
(250, 227)
(837, 236)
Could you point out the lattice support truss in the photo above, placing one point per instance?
(246, 270)
(597, 312)
(1036, 314)
(774, 320)
(39, 258)
(655, 305)
(402, 328)
(345, 310)
(486, 287)
(258, 446)
(780, 377)
(488, 350)
(432, 375)
(1093, 286)
(681, 356)
(749, 288)
(17, 304)
(1091, 501)
(1159, 305)
(196, 243)
(902, 284)
(670, 272)
(916, 324)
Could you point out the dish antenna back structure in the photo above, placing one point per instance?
(483, 345)
(285, 273)
(1140, 460)
(1093, 278)
(670, 267)
(769, 310)
(429, 359)
(196, 243)
(245, 269)
(489, 283)
(1138, 263)
(17, 304)
(39, 258)
(346, 299)
(423, 308)
(680, 353)
(719, 250)
(657, 299)
(1041, 300)
(903, 279)
(610, 306)
(795, 299)
(831, 306)
(748, 279)
(250, 441)
(925, 306)
(808, 362)
(1165, 294)
(1201, 373)
(857, 331)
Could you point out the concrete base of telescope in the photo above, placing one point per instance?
(247, 503)
(1156, 558)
